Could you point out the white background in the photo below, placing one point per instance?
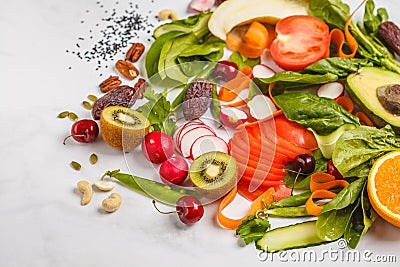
(41, 220)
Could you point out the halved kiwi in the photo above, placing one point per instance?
(214, 174)
(123, 127)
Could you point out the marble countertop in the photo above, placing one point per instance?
(41, 220)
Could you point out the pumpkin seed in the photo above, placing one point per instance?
(72, 116)
(87, 105)
(92, 97)
(93, 158)
(63, 114)
(75, 165)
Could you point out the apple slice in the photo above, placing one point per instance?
(189, 137)
(206, 144)
(232, 117)
(261, 106)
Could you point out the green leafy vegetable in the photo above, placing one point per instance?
(371, 20)
(158, 111)
(322, 115)
(253, 229)
(357, 149)
(242, 61)
(341, 67)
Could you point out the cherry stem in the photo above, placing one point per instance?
(163, 212)
(294, 182)
(79, 135)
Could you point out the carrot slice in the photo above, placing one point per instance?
(325, 181)
(256, 35)
(364, 118)
(232, 88)
(313, 208)
(346, 103)
(256, 205)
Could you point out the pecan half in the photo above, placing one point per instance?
(110, 83)
(127, 69)
(140, 86)
(135, 52)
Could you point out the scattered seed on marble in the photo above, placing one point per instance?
(93, 159)
(75, 165)
(63, 114)
(92, 97)
(72, 116)
(87, 105)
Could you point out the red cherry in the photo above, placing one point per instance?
(84, 131)
(157, 147)
(174, 170)
(189, 209)
(225, 71)
(332, 170)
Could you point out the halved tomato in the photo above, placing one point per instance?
(301, 40)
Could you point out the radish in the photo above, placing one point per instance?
(174, 170)
(331, 90)
(189, 137)
(201, 5)
(232, 117)
(188, 128)
(262, 71)
(206, 144)
(157, 147)
(261, 106)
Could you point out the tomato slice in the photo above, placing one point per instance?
(295, 133)
(301, 40)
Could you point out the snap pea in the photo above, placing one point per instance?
(292, 201)
(167, 194)
(288, 212)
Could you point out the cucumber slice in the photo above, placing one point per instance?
(299, 235)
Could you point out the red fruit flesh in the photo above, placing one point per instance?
(174, 170)
(189, 209)
(157, 147)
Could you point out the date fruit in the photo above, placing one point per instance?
(389, 33)
(197, 99)
(123, 96)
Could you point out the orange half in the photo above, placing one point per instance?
(384, 187)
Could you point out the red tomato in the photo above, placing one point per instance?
(301, 41)
(295, 133)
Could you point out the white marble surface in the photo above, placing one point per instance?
(41, 220)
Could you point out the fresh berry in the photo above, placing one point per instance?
(174, 170)
(157, 147)
(84, 131)
(304, 163)
(225, 71)
(332, 170)
(189, 209)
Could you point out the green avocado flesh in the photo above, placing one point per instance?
(362, 88)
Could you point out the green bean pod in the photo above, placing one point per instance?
(287, 212)
(167, 194)
(293, 201)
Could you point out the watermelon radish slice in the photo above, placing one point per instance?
(206, 144)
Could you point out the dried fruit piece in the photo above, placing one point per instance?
(110, 83)
(140, 86)
(135, 52)
(389, 33)
(123, 96)
(127, 69)
(63, 114)
(75, 165)
(197, 99)
(72, 116)
(93, 158)
(92, 97)
(86, 105)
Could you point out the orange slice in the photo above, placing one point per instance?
(384, 187)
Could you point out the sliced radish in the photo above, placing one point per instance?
(261, 106)
(206, 144)
(232, 117)
(331, 90)
(187, 127)
(189, 137)
(201, 5)
(262, 71)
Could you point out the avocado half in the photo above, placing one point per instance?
(362, 88)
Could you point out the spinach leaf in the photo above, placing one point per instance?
(357, 149)
(242, 61)
(322, 115)
(300, 78)
(346, 197)
(253, 228)
(341, 67)
(371, 20)
(333, 12)
(332, 225)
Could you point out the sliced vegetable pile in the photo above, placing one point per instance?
(304, 136)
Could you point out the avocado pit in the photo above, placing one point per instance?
(389, 96)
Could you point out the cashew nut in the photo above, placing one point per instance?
(112, 203)
(87, 192)
(104, 186)
(167, 14)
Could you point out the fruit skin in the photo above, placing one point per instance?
(116, 134)
(332, 170)
(85, 131)
(382, 210)
(361, 87)
(197, 99)
(174, 170)
(304, 163)
(189, 209)
(157, 147)
(225, 70)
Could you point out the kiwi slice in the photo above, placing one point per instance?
(123, 127)
(214, 174)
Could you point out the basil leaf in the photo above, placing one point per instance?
(321, 114)
(357, 149)
(253, 228)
